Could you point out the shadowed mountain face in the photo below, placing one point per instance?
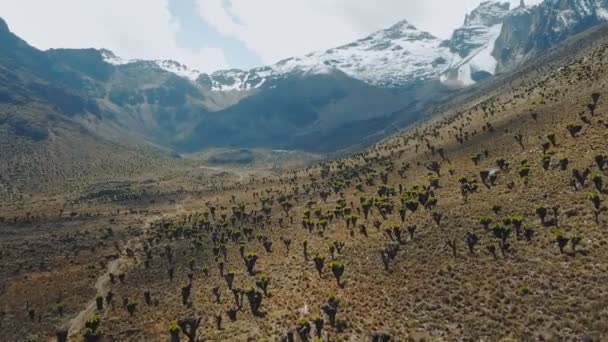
(325, 101)
(300, 109)
(316, 118)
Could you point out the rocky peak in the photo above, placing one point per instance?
(401, 30)
(3, 26)
(488, 13)
(531, 30)
(480, 28)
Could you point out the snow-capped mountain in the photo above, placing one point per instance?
(493, 38)
(472, 44)
(529, 30)
(387, 58)
(392, 58)
(167, 65)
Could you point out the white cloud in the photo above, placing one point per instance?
(278, 29)
(131, 28)
(274, 29)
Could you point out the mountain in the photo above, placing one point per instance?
(527, 31)
(287, 106)
(388, 58)
(321, 102)
(472, 44)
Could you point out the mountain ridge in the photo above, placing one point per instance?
(339, 97)
(367, 59)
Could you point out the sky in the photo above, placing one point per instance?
(211, 35)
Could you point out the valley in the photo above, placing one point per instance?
(468, 205)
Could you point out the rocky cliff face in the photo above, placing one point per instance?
(471, 45)
(527, 31)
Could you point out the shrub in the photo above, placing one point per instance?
(563, 164)
(319, 322)
(255, 299)
(437, 217)
(552, 139)
(503, 234)
(337, 268)
(601, 161)
(174, 331)
(189, 327)
(62, 335)
(319, 263)
(581, 176)
(597, 179)
(524, 169)
(542, 214)
(517, 222)
(131, 307)
(492, 250)
(303, 329)
(389, 253)
(594, 197)
(502, 164)
(263, 283)
(93, 322)
(560, 239)
(99, 302)
(412, 205)
(186, 291)
(574, 129)
(331, 308)
(232, 312)
(250, 262)
(230, 278)
(546, 161)
(476, 159)
(434, 181)
(528, 233)
(472, 239)
(411, 230)
(485, 221)
(92, 332)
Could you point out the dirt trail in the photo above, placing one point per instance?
(120, 265)
(103, 283)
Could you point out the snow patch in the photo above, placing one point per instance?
(167, 65)
(178, 69)
(390, 58)
(602, 13)
(110, 58)
(478, 60)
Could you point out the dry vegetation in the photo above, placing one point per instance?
(487, 223)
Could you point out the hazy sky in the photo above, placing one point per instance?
(217, 34)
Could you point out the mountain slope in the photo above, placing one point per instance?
(315, 119)
(484, 224)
